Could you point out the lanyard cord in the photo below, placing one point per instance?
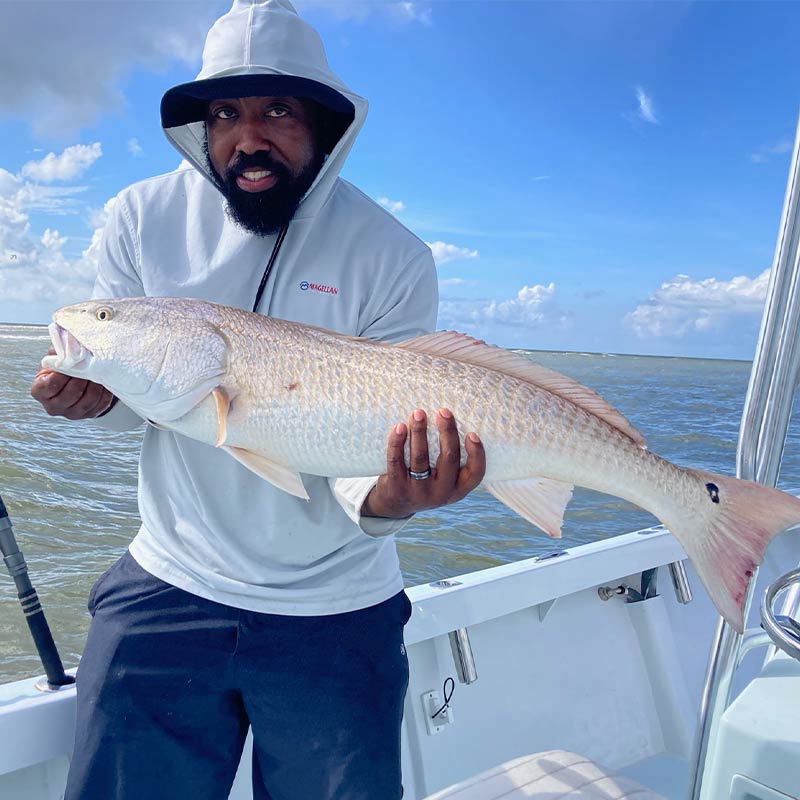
(275, 249)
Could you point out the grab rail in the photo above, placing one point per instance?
(762, 435)
(782, 629)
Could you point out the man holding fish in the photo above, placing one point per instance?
(238, 604)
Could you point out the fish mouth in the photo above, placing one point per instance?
(70, 353)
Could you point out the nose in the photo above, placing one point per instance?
(252, 137)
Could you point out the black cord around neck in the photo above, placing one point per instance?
(275, 249)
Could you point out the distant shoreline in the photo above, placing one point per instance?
(512, 349)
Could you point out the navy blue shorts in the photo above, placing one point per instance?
(169, 684)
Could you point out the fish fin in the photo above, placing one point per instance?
(223, 402)
(461, 347)
(278, 475)
(725, 539)
(541, 501)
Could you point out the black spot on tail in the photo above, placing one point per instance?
(713, 492)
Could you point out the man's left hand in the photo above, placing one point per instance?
(398, 494)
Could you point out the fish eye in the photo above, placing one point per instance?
(104, 314)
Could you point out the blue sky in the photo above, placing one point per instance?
(590, 176)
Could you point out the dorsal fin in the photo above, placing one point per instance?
(461, 347)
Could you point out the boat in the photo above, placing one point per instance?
(600, 671)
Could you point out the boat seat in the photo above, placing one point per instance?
(554, 775)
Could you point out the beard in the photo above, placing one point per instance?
(264, 213)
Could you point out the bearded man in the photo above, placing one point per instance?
(238, 605)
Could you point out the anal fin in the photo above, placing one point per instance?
(541, 501)
(278, 475)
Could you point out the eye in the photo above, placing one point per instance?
(223, 112)
(277, 111)
(104, 314)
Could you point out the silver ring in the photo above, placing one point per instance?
(420, 476)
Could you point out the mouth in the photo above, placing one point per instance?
(70, 353)
(256, 180)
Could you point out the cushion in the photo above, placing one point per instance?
(554, 775)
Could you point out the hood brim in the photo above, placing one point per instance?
(188, 102)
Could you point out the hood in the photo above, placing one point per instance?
(262, 47)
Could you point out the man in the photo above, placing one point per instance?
(237, 604)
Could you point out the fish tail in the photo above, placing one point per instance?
(725, 538)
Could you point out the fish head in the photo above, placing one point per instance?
(160, 356)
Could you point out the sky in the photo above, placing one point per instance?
(590, 176)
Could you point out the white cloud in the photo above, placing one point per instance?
(49, 199)
(412, 12)
(443, 252)
(74, 161)
(452, 282)
(403, 12)
(646, 110)
(134, 148)
(34, 266)
(542, 178)
(533, 307)
(52, 240)
(395, 206)
(682, 306)
(765, 152)
(103, 40)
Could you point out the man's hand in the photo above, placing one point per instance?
(73, 398)
(397, 494)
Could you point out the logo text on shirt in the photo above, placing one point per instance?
(318, 287)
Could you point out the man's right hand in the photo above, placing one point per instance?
(73, 398)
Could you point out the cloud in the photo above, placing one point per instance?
(682, 306)
(765, 152)
(646, 111)
(72, 162)
(106, 41)
(399, 12)
(411, 12)
(395, 206)
(34, 266)
(49, 199)
(52, 241)
(532, 307)
(542, 178)
(134, 148)
(443, 252)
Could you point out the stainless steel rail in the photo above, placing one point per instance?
(782, 629)
(762, 435)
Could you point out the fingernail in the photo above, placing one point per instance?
(419, 415)
(400, 429)
(474, 438)
(445, 412)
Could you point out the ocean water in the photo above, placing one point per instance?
(70, 489)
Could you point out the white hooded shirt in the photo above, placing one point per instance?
(209, 525)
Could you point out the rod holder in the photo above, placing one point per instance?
(463, 656)
(680, 582)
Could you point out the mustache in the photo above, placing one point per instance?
(258, 160)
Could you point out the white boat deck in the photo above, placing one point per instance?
(557, 668)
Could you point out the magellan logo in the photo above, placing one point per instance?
(318, 287)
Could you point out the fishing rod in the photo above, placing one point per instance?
(29, 600)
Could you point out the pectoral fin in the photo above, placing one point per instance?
(284, 478)
(541, 501)
(223, 402)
